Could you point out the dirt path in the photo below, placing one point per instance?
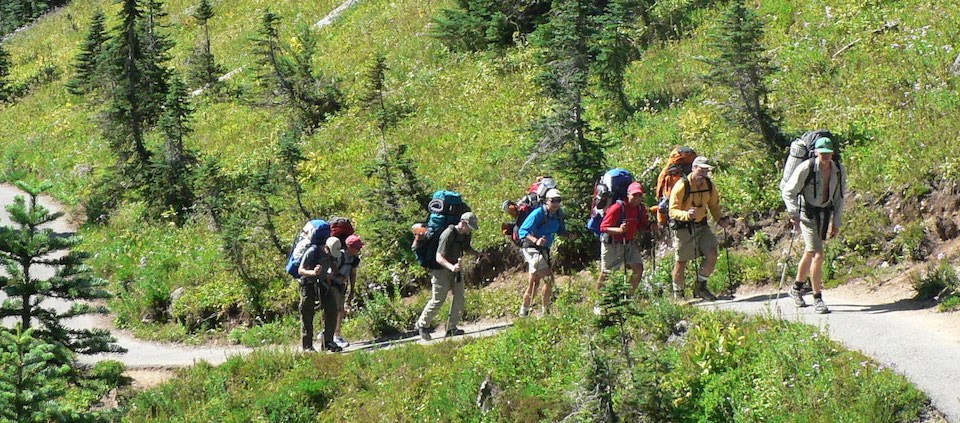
(907, 336)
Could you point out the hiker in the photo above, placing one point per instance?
(315, 281)
(815, 206)
(347, 275)
(455, 240)
(619, 243)
(690, 199)
(538, 231)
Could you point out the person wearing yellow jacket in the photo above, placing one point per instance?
(690, 200)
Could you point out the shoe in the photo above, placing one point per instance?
(523, 311)
(797, 297)
(309, 350)
(679, 295)
(424, 333)
(341, 342)
(702, 292)
(544, 311)
(597, 310)
(454, 332)
(332, 347)
(819, 306)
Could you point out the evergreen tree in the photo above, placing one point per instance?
(290, 76)
(5, 88)
(396, 192)
(488, 24)
(24, 248)
(563, 134)
(156, 53)
(86, 66)
(290, 151)
(203, 68)
(124, 123)
(173, 190)
(32, 380)
(613, 49)
(741, 67)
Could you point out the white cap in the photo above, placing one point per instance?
(333, 243)
(553, 193)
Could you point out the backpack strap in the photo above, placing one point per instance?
(688, 192)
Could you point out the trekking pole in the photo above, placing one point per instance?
(726, 252)
(785, 259)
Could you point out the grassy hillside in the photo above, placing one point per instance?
(723, 367)
(874, 72)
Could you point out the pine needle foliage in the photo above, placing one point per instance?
(477, 25)
(5, 86)
(32, 380)
(86, 65)
(741, 66)
(203, 69)
(24, 248)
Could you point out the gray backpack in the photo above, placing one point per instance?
(803, 149)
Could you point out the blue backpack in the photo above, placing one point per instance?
(611, 187)
(445, 209)
(315, 232)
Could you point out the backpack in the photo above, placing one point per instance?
(611, 188)
(341, 227)
(445, 209)
(315, 232)
(679, 165)
(803, 148)
(522, 208)
(677, 224)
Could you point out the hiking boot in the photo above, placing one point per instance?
(678, 295)
(454, 332)
(524, 311)
(341, 342)
(309, 350)
(797, 297)
(544, 311)
(819, 306)
(424, 333)
(701, 291)
(332, 347)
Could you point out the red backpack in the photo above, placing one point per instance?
(679, 165)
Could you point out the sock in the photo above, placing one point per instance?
(798, 285)
(818, 296)
(702, 278)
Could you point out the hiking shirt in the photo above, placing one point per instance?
(814, 193)
(636, 218)
(540, 223)
(315, 256)
(347, 264)
(453, 244)
(700, 197)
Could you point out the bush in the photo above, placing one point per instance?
(488, 24)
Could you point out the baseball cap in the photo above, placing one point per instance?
(354, 241)
(553, 193)
(471, 220)
(701, 161)
(824, 145)
(333, 243)
(635, 188)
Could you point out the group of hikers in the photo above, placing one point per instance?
(812, 189)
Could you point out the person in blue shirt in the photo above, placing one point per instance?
(538, 232)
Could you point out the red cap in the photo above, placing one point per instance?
(635, 188)
(354, 241)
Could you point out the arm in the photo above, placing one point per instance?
(792, 189)
(839, 201)
(678, 211)
(533, 221)
(312, 272)
(611, 221)
(714, 204)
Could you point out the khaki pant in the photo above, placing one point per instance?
(536, 261)
(443, 281)
(693, 244)
(613, 255)
(308, 297)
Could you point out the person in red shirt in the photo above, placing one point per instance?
(619, 244)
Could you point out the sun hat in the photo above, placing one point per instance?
(701, 161)
(824, 145)
(333, 243)
(471, 220)
(353, 241)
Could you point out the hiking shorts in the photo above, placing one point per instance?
(693, 244)
(809, 230)
(614, 254)
(536, 262)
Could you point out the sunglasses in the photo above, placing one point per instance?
(554, 200)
